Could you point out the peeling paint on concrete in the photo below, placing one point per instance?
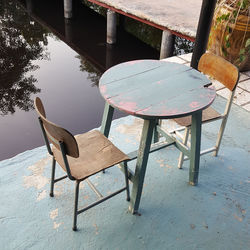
(53, 214)
(218, 207)
(96, 228)
(133, 129)
(57, 225)
(37, 179)
(41, 195)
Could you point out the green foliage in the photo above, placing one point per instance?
(226, 15)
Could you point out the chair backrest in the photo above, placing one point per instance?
(55, 133)
(220, 69)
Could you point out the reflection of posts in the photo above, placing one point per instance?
(68, 30)
(109, 56)
(167, 44)
(111, 27)
(30, 6)
(68, 9)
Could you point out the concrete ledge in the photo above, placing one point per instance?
(175, 215)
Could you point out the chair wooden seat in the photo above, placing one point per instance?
(96, 153)
(208, 115)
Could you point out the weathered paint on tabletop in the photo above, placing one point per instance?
(170, 90)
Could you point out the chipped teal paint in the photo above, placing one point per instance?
(155, 90)
(215, 215)
(141, 165)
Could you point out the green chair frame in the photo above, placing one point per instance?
(66, 143)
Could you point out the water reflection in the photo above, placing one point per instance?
(93, 73)
(21, 42)
(63, 72)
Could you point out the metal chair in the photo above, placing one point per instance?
(227, 74)
(80, 157)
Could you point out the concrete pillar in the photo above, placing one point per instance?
(68, 8)
(167, 44)
(111, 27)
(30, 6)
(68, 30)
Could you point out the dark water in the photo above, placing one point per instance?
(61, 62)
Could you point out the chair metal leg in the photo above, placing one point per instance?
(219, 137)
(126, 180)
(156, 135)
(76, 205)
(52, 177)
(185, 140)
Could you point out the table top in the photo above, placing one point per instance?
(156, 89)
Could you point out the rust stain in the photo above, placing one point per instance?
(96, 228)
(85, 197)
(36, 179)
(238, 218)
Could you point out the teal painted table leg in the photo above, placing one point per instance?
(195, 148)
(107, 119)
(141, 165)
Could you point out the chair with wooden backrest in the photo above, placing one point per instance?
(227, 74)
(80, 157)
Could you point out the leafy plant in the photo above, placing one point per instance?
(231, 29)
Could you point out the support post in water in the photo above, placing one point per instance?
(68, 11)
(30, 6)
(167, 44)
(111, 27)
(68, 30)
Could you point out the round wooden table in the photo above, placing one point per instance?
(153, 90)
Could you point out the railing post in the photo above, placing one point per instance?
(202, 34)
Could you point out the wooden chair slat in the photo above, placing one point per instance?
(56, 133)
(220, 69)
(208, 115)
(96, 153)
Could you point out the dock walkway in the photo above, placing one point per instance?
(180, 18)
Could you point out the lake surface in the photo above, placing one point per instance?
(61, 62)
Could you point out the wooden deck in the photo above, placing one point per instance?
(178, 17)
